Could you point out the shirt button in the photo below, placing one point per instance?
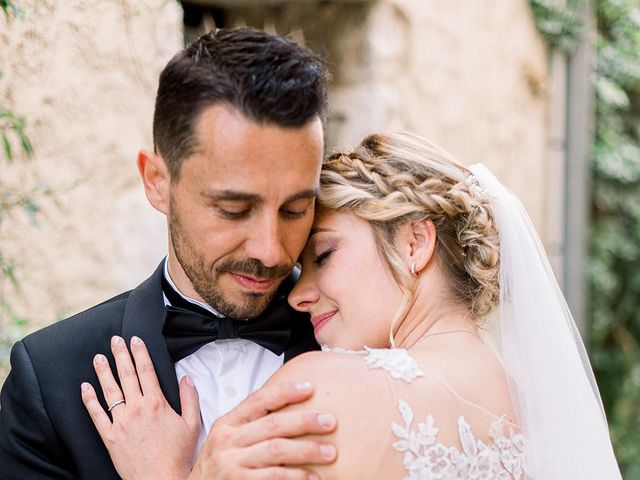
(231, 391)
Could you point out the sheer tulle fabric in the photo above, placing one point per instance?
(498, 453)
(551, 381)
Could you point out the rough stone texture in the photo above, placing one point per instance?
(469, 75)
(84, 75)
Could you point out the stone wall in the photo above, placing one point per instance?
(469, 75)
(84, 76)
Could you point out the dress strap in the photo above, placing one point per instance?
(398, 364)
(453, 392)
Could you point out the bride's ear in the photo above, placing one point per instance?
(156, 180)
(418, 243)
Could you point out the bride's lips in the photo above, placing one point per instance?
(319, 321)
(253, 283)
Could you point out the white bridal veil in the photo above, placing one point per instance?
(551, 381)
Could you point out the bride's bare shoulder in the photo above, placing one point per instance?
(331, 374)
(322, 365)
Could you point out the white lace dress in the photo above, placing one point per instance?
(424, 457)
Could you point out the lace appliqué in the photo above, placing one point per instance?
(326, 348)
(396, 361)
(425, 459)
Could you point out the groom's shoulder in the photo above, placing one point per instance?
(91, 328)
(111, 309)
(102, 319)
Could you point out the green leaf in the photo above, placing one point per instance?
(10, 8)
(558, 23)
(25, 143)
(9, 272)
(7, 147)
(612, 93)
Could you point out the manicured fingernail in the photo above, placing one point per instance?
(136, 340)
(327, 451)
(115, 340)
(303, 386)
(313, 476)
(85, 387)
(189, 380)
(326, 420)
(100, 358)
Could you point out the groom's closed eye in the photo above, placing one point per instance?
(234, 210)
(230, 204)
(297, 208)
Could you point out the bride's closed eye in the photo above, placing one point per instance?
(320, 247)
(322, 257)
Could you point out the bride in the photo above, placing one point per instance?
(449, 352)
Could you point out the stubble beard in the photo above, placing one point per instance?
(205, 277)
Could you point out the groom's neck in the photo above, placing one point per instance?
(180, 280)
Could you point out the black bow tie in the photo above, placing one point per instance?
(187, 327)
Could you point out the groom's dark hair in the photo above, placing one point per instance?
(269, 78)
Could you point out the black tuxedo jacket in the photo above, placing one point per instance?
(45, 431)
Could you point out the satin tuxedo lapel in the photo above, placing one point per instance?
(144, 317)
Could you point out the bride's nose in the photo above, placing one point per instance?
(304, 295)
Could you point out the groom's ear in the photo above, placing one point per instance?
(156, 180)
(418, 243)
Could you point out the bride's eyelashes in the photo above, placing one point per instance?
(321, 258)
(320, 248)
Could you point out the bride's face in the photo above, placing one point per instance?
(345, 284)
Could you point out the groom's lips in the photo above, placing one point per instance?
(319, 321)
(254, 283)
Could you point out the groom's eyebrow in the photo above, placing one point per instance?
(309, 193)
(232, 195)
(238, 196)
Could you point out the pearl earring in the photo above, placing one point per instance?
(413, 270)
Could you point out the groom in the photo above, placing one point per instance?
(238, 144)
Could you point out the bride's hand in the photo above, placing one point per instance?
(147, 438)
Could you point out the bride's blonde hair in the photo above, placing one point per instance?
(390, 179)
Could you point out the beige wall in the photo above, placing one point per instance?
(84, 75)
(470, 75)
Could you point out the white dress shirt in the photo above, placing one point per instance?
(224, 372)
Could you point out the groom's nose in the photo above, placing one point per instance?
(265, 242)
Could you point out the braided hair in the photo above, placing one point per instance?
(391, 179)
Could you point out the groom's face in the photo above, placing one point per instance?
(241, 210)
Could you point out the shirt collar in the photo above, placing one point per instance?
(206, 306)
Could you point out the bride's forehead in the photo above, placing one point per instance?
(325, 218)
